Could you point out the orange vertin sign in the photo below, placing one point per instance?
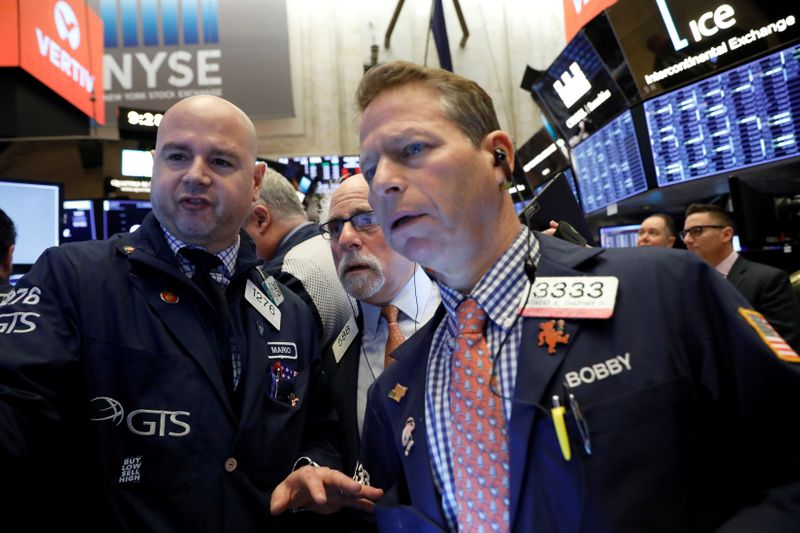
(61, 44)
(9, 43)
(578, 12)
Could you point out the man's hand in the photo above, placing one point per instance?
(322, 490)
(551, 231)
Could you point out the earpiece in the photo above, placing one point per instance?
(501, 160)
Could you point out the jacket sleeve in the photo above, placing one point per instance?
(751, 394)
(40, 345)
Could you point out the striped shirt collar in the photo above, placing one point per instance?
(227, 256)
(499, 290)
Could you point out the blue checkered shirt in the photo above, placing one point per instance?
(500, 293)
(222, 274)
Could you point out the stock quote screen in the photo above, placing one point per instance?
(608, 165)
(746, 116)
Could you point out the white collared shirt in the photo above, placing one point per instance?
(726, 265)
(417, 302)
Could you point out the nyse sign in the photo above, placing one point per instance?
(167, 74)
(157, 53)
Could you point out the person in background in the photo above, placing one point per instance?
(708, 232)
(8, 238)
(552, 394)
(395, 297)
(153, 366)
(657, 230)
(296, 254)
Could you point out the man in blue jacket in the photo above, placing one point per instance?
(160, 369)
(560, 388)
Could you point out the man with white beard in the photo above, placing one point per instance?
(395, 295)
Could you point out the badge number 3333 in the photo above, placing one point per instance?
(572, 297)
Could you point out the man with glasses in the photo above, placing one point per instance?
(395, 296)
(657, 230)
(708, 232)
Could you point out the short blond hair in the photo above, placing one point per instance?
(464, 102)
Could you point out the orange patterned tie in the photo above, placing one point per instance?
(480, 466)
(395, 337)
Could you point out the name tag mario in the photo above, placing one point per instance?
(282, 350)
(572, 297)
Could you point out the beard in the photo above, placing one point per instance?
(364, 282)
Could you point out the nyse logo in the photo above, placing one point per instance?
(572, 85)
(706, 25)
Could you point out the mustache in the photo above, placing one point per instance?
(357, 258)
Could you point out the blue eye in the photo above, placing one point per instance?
(413, 149)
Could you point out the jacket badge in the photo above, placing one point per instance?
(407, 437)
(170, 297)
(552, 334)
(398, 392)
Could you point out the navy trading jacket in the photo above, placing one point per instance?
(109, 379)
(691, 417)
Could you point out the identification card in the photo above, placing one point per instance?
(275, 290)
(572, 297)
(261, 303)
(345, 339)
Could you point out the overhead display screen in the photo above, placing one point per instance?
(578, 91)
(542, 157)
(668, 43)
(747, 116)
(608, 165)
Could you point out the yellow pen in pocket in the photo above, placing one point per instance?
(557, 412)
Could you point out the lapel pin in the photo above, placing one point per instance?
(398, 392)
(407, 437)
(552, 334)
(128, 249)
(169, 297)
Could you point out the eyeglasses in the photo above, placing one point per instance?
(332, 229)
(696, 231)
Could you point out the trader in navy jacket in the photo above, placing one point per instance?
(114, 366)
(637, 391)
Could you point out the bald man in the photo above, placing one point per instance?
(157, 366)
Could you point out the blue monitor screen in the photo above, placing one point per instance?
(305, 184)
(619, 236)
(608, 165)
(326, 170)
(746, 116)
(123, 216)
(35, 210)
(79, 222)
